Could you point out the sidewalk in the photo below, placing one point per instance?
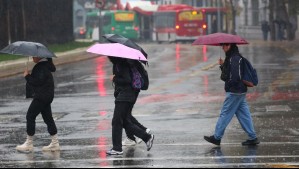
(15, 67)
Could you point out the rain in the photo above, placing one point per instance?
(185, 95)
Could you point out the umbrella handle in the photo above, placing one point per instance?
(27, 63)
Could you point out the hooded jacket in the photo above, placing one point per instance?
(234, 83)
(40, 84)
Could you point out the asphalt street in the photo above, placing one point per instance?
(181, 106)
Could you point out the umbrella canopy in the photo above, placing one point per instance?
(24, 48)
(114, 38)
(117, 50)
(216, 39)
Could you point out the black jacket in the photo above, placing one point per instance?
(40, 84)
(124, 92)
(234, 83)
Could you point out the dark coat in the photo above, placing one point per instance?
(124, 92)
(234, 83)
(40, 84)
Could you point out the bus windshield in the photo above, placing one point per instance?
(164, 20)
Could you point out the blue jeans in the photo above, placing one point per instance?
(235, 104)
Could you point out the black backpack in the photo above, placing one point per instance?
(140, 80)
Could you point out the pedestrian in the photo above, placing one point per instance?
(235, 102)
(125, 98)
(265, 30)
(40, 87)
(131, 140)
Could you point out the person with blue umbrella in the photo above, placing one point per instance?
(40, 87)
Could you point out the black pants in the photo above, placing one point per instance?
(34, 110)
(136, 122)
(121, 119)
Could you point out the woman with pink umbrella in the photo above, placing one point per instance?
(123, 58)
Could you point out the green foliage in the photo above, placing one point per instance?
(5, 57)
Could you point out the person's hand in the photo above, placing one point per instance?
(26, 73)
(221, 62)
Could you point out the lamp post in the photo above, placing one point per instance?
(246, 11)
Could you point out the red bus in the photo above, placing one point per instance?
(178, 23)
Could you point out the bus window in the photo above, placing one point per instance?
(107, 20)
(164, 20)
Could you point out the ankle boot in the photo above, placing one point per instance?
(54, 145)
(27, 146)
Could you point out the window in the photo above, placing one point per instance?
(255, 12)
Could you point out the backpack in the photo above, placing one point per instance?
(140, 80)
(250, 78)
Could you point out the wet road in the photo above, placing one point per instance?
(181, 106)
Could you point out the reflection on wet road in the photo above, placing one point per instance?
(181, 106)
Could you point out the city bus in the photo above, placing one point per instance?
(174, 23)
(123, 23)
(211, 14)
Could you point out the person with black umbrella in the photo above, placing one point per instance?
(40, 87)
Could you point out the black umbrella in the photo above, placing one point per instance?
(24, 48)
(114, 38)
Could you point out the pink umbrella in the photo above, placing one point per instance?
(117, 50)
(216, 39)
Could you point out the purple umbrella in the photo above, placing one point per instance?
(117, 50)
(216, 39)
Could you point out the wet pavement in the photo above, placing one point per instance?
(181, 106)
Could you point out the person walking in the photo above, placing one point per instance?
(235, 102)
(125, 98)
(40, 87)
(131, 140)
(265, 30)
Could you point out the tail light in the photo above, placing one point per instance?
(136, 28)
(113, 28)
(204, 26)
(177, 27)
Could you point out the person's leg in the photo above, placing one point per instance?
(48, 119)
(33, 111)
(134, 121)
(35, 108)
(230, 107)
(245, 119)
(120, 112)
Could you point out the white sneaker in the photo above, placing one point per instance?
(150, 142)
(128, 142)
(139, 140)
(113, 152)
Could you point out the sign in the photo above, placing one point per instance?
(100, 4)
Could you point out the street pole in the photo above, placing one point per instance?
(100, 25)
(8, 23)
(218, 17)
